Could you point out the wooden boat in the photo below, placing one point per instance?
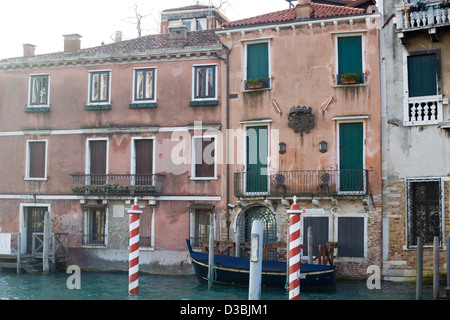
(235, 271)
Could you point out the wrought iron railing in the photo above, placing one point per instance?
(117, 184)
(303, 182)
(95, 239)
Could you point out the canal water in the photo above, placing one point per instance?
(114, 286)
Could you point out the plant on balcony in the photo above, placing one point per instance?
(254, 83)
(418, 6)
(444, 4)
(349, 78)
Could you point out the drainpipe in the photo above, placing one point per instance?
(227, 195)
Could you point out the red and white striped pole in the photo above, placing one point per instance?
(294, 250)
(133, 269)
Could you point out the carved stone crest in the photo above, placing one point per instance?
(301, 119)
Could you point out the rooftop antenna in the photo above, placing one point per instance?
(290, 3)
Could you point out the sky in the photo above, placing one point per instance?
(44, 22)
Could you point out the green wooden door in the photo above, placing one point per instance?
(422, 79)
(257, 154)
(351, 171)
(350, 55)
(258, 61)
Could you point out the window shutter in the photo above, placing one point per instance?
(37, 159)
(257, 61)
(350, 55)
(422, 79)
(351, 237)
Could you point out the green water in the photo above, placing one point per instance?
(114, 286)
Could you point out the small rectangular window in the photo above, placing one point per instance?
(36, 162)
(257, 65)
(351, 237)
(350, 60)
(39, 90)
(205, 82)
(144, 85)
(99, 87)
(204, 157)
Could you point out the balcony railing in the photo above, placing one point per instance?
(117, 184)
(301, 183)
(423, 111)
(428, 15)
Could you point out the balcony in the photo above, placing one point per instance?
(421, 111)
(117, 184)
(426, 15)
(301, 183)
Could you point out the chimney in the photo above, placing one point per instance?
(177, 35)
(303, 10)
(28, 50)
(72, 42)
(118, 36)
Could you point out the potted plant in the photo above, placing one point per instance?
(349, 78)
(254, 83)
(444, 4)
(418, 6)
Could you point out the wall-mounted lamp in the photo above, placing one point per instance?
(282, 147)
(323, 146)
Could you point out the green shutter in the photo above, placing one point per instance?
(351, 156)
(257, 153)
(350, 55)
(257, 61)
(422, 75)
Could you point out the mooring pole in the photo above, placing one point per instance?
(310, 249)
(419, 267)
(294, 250)
(254, 288)
(46, 243)
(133, 267)
(211, 277)
(436, 268)
(447, 288)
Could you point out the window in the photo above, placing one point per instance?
(319, 229)
(143, 161)
(205, 82)
(351, 237)
(96, 164)
(257, 65)
(203, 157)
(424, 210)
(39, 90)
(349, 60)
(201, 24)
(200, 225)
(422, 76)
(36, 160)
(94, 226)
(423, 104)
(146, 238)
(144, 85)
(99, 87)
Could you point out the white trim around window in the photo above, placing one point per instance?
(154, 85)
(99, 101)
(46, 104)
(28, 162)
(195, 95)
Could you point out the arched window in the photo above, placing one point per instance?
(263, 214)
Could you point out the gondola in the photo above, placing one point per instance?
(235, 271)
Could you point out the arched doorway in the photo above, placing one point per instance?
(257, 212)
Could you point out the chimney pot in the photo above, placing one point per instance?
(118, 36)
(29, 50)
(72, 42)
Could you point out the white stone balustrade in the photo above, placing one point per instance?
(431, 16)
(423, 111)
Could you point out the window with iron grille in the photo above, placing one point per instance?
(424, 210)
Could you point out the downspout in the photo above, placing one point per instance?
(227, 126)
